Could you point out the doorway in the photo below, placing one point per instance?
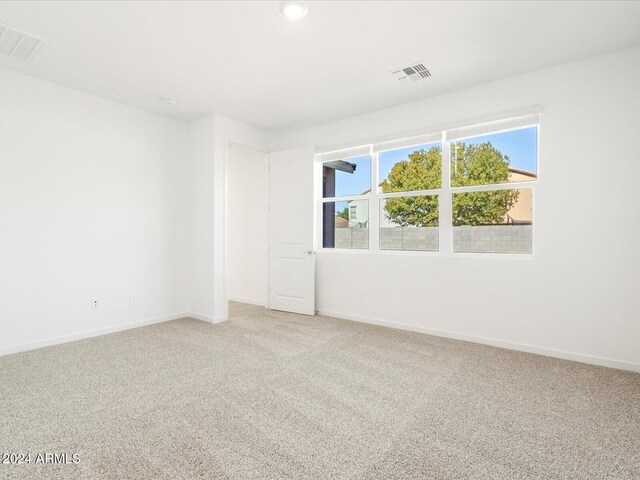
(247, 229)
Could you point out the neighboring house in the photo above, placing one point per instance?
(358, 213)
(522, 211)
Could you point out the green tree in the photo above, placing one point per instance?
(343, 213)
(422, 171)
(471, 165)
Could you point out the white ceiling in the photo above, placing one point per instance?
(246, 61)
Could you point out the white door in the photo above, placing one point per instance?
(291, 239)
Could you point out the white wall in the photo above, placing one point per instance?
(247, 224)
(92, 204)
(201, 211)
(210, 138)
(577, 298)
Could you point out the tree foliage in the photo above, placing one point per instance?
(343, 213)
(471, 165)
(422, 171)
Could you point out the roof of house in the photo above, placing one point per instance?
(523, 172)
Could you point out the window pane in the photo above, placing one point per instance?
(410, 169)
(343, 178)
(346, 224)
(498, 221)
(409, 223)
(496, 158)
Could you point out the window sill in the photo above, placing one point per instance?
(417, 253)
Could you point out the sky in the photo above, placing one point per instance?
(519, 145)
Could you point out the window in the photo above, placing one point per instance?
(480, 200)
(487, 217)
(409, 221)
(346, 184)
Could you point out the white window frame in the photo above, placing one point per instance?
(444, 193)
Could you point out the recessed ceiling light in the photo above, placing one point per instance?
(293, 10)
(169, 101)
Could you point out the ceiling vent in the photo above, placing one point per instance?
(411, 73)
(18, 44)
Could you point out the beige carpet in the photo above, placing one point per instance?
(237, 309)
(275, 395)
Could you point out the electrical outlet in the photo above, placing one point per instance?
(95, 303)
(133, 300)
(361, 295)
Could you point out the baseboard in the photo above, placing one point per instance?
(200, 316)
(207, 318)
(522, 347)
(47, 342)
(577, 357)
(250, 301)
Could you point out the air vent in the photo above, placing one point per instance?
(18, 44)
(411, 73)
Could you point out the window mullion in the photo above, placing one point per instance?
(492, 187)
(445, 201)
(410, 193)
(346, 198)
(374, 206)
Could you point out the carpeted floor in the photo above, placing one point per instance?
(237, 309)
(276, 395)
